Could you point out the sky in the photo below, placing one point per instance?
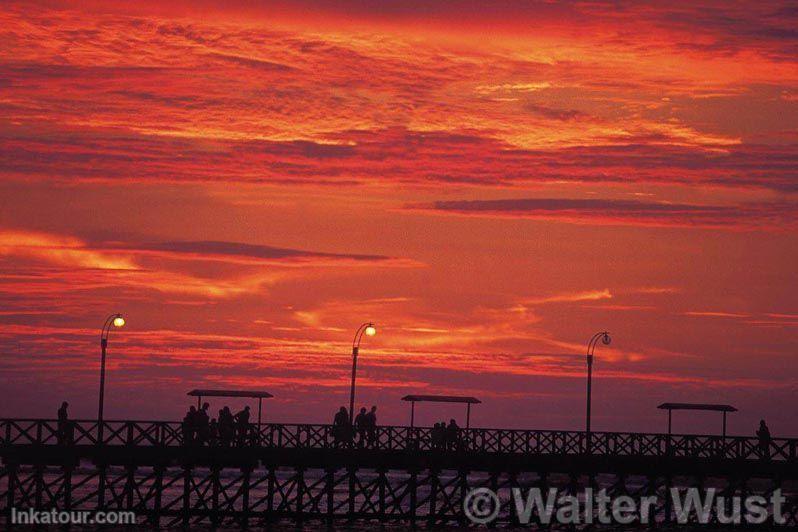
(490, 183)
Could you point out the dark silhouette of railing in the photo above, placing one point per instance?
(397, 438)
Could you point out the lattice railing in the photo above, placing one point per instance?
(396, 438)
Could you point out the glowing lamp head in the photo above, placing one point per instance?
(119, 321)
(371, 330)
(605, 339)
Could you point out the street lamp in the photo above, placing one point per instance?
(114, 320)
(369, 330)
(604, 336)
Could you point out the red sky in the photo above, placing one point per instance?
(490, 182)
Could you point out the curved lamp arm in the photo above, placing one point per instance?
(368, 329)
(114, 320)
(605, 338)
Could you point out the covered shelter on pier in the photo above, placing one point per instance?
(670, 407)
(440, 399)
(249, 394)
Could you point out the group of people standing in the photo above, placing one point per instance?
(364, 427)
(446, 436)
(226, 430)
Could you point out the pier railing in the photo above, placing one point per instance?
(397, 438)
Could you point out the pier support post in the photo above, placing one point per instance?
(668, 502)
(246, 475)
(494, 486)
(330, 487)
(383, 482)
(157, 503)
(67, 487)
(351, 471)
(300, 492)
(434, 484)
(462, 481)
(101, 487)
(512, 483)
(215, 485)
(412, 486)
(38, 480)
(186, 495)
(270, 486)
(130, 485)
(12, 484)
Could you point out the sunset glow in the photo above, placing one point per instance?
(490, 182)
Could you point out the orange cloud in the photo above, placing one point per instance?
(61, 250)
(125, 265)
(715, 314)
(593, 295)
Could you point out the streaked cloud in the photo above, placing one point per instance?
(593, 295)
(291, 104)
(146, 265)
(250, 254)
(764, 216)
(715, 314)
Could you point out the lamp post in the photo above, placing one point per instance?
(604, 336)
(114, 320)
(369, 330)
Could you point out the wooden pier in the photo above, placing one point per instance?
(300, 472)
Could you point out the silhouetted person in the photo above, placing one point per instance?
(226, 426)
(213, 433)
(452, 435)
(371, 423)
(242, 424)
(64, 425)
(341, 426)
(203, 424)
(220, 426)
(764, 439)
(438, 435)
(361, 425)
(190, 426)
